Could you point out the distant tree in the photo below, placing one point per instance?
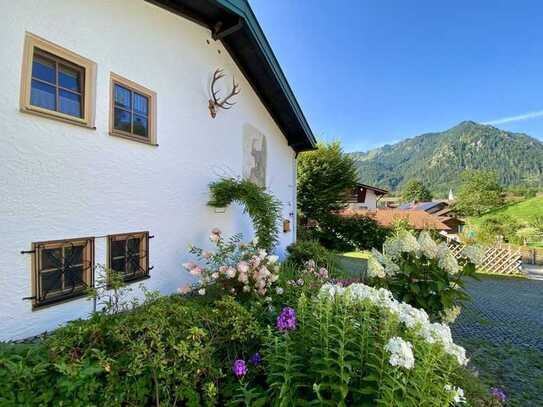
(325, 177)
(416, 191)
(479, 193)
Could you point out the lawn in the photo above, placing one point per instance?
(523, 211)
(354, 264)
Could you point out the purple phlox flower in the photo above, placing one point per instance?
(498, 394)
(239, 368)
(286, 321)
(255, 359)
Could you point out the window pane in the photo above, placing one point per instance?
(69, 78)
(122, 97)
(51, 281)
(43, 95)
(43, 69)
(73, 255)
(51, 259)
(70, 103)
(118, 265)
(133, 245)
(73, 277)
(140, 125)
(122, 120)
(141, 104)
(133, 265)
(118, 248)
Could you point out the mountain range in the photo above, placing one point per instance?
(438, 159)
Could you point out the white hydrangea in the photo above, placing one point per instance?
(375, 269)
(448, 262)
(392, 248)
(408, 242)
(428, 247)
(451, 314)
(401, 353)
(457, 393)
(390, 268)
(474, 254)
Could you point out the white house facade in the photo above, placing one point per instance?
(108, 145)
(366, 197)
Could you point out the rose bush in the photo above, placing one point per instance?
(235, 268)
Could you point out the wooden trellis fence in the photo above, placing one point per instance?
(498, 259)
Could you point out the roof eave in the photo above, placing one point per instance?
(251, 51)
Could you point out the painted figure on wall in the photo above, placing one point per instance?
(254, 155)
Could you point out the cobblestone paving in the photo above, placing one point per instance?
(503, 311)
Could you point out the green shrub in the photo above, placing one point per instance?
(168, 350)
(263, 209)
(304, 250)
(341, 349)
(492, 227)
(423, 273)
(350, 233)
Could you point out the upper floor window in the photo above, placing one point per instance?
(132, 111)
(62, 269)
(57, 83)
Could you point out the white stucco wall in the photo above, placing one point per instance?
(370, 201)
(63, 181)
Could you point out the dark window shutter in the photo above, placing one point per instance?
(361, 195)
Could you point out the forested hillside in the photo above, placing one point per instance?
(437, 159)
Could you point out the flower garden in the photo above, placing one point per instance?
(256, 332)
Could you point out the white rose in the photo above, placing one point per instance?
(202, 291)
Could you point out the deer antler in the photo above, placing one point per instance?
(224, 103)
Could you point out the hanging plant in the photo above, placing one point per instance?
(263, 208)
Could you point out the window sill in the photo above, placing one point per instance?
(132, 138)
(58, 301)
(56, 116)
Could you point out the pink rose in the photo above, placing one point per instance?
(243, 267)
(206, 254)
(189, 265)
(216, 231)
(196, 271)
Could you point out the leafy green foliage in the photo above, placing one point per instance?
(479, 193)
(422, 273)
(264, 209)
(416, 191)
(325, 177)
(495, 229)
(170, 350)
(337, 357)
(343, 234)
(304, 250)
(437, 159)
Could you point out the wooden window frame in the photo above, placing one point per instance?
(143, 261)
(40, 300)
(34, 43)
(151, 117)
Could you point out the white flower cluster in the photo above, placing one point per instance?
(401, 353)
(413, 318)
(381, 265)
(457, 393)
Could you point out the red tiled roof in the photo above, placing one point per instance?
(387, 217)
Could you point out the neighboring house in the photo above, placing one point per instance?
(365, 197)
(418, 220)
(109, 144)
(443, 211)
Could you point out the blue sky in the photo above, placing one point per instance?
(372, 72)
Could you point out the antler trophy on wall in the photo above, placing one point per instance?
(224, 103)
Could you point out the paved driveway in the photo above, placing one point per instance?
(503, 310)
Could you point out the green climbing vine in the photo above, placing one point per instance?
(263, 208)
